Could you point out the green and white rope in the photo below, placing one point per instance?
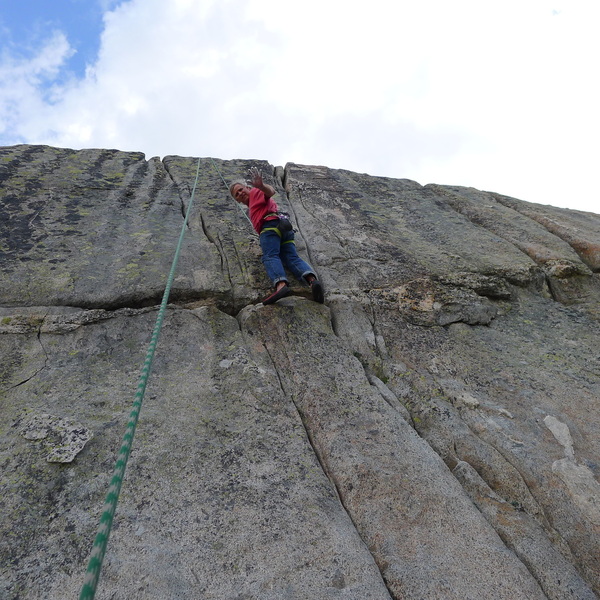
(92, 575)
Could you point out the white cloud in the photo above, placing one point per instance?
(497, 96)
(22, 89)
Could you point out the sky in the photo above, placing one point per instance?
(500, 96)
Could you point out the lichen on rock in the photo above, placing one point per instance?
(62, 439)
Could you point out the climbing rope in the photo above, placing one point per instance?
(227, 186)
(92, 575)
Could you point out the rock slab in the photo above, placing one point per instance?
(430, 432)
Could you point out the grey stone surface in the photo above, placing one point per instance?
(430, 432)
(96, 229)
(525, 536)
(414, 516)
(563, 243)
(63, 439)
(224, 496)
(578, 228)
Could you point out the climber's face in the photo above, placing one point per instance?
(241, 193)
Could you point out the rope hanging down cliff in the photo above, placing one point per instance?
(92, 575)
(227, 188)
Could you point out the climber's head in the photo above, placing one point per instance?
(240, 192)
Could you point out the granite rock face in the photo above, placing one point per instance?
(431, 431)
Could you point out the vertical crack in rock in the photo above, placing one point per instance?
(218, 244)
(179, 192)
(369, 451)
(550, 287)
(528, 505)
(324, 226)
(378, 339)
(522, 530)
(309, 436)
(227, 299)
(513, 511)
(526, 538)
(324, 468)
(212, 240)
(376, 357)
(491, 461)
(40, 369)
(526, 499)
(240, 263)
(576, 475)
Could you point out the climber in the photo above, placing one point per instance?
(276, 238)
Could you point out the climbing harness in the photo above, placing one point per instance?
(92, 575)
(283, 221)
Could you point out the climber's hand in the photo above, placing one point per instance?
(256, 181)
(256, 178)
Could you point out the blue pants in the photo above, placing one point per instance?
(279, 252)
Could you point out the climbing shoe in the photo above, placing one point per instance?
(317, 291)
(282, 292)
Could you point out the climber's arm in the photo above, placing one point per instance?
(257, 182)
